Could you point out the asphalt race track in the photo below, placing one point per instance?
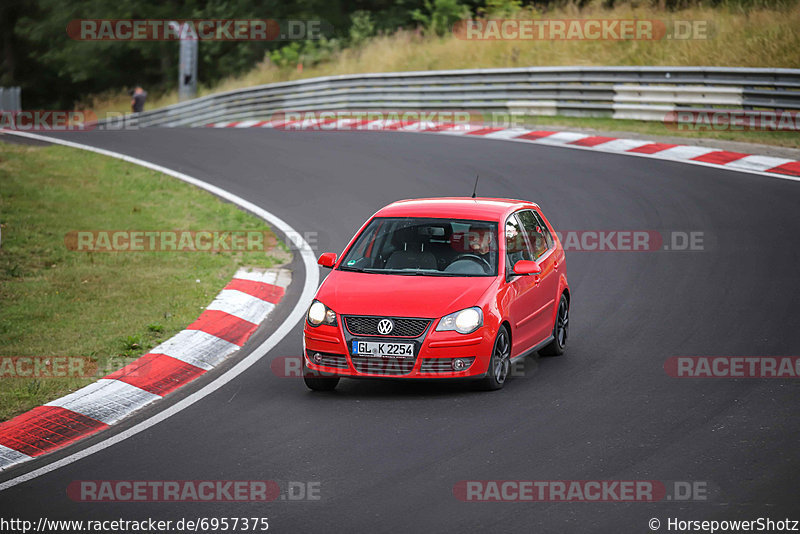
(387, 454)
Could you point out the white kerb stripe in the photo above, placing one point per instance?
(757, 163)
(560, 138)
(246, 124)
(221, 124)
(241, 305)
(197, 348)
(506, 134)
(269, 277)
(10, 457)
(106, 400)
(621, 145)
(684, 152)
(284, 278)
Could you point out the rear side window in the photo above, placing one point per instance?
(547, 234)
(537, 233)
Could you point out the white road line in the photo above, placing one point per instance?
(298, 312)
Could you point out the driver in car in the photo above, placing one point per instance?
(482, 244)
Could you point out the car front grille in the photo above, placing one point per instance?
(383, 366)
(403, 327)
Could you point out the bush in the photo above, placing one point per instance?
(440, 16)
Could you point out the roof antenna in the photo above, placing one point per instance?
(475, 189)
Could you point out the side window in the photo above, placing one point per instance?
(538, 235)
(516, 247)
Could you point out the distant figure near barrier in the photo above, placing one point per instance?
(138, 98)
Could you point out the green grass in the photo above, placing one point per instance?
(111, 307)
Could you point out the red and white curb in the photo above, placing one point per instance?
(225, 325)
(713, 157)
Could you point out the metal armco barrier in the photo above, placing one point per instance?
(644, 93)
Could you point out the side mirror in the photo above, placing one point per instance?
(328, 259)
(527, 267)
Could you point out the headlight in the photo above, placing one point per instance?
(318, 314)
(463, 322)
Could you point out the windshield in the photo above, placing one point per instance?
(426, 247)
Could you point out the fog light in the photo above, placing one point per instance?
(459, 364)
(317, 358)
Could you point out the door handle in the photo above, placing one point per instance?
(535, 280)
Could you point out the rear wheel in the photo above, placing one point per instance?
(500, 363)
(560, 330)
(316, 382)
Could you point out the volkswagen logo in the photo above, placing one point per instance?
(385, 326)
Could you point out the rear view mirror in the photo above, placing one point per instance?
(524, 267)
(328, 259)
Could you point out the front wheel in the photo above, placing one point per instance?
(560, 330)
(315, 382)
(500, 363)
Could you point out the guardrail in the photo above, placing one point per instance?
(645, 93)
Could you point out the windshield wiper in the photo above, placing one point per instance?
(386, 271)
(416, 272)
(351, 269)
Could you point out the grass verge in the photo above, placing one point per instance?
(110, 307)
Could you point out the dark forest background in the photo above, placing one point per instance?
(56, 72)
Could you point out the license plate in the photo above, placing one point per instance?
(383, 350)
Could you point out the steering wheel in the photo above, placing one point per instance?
(477, 259)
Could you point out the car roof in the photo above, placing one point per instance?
(480, 208)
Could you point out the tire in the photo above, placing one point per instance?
(499, 364)
(560, 330)
(315, 382)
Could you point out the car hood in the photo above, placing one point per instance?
(349, 293)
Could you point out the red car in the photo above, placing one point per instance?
(439, 288)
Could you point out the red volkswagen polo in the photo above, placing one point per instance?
(439, 288)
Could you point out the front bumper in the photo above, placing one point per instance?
(328, 350)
